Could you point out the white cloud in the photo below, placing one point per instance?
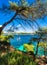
(0, 25)
(19, 25)
(20, 29)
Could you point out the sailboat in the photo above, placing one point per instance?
(18, 38)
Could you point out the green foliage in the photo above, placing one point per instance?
(44, 46)
(32, 63)
(29, 47)
(5, 42)
(5, 38)
(16, 59)
(36, 10)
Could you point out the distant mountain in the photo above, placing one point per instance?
(17, 29)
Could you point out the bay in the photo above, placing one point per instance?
(19, 40)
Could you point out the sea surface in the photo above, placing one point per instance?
(19, 40)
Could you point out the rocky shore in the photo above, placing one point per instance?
(41, 60)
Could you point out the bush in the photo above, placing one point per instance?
(16, 59)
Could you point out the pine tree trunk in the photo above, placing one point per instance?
(8, 22)
(37, 48)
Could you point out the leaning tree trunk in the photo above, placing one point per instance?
(37, 48)
(8, 22)
(0, 30)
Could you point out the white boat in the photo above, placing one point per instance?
(18, 38)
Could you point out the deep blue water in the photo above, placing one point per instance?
(19, 40)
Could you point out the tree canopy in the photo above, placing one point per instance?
(25, 11)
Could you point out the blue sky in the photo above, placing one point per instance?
(6, 17)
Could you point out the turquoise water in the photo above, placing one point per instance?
(40, 52)
(19, 40)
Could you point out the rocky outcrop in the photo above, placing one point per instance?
(41, 60)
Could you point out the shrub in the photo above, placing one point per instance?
(16, 59)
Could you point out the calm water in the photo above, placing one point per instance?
(19, 40)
